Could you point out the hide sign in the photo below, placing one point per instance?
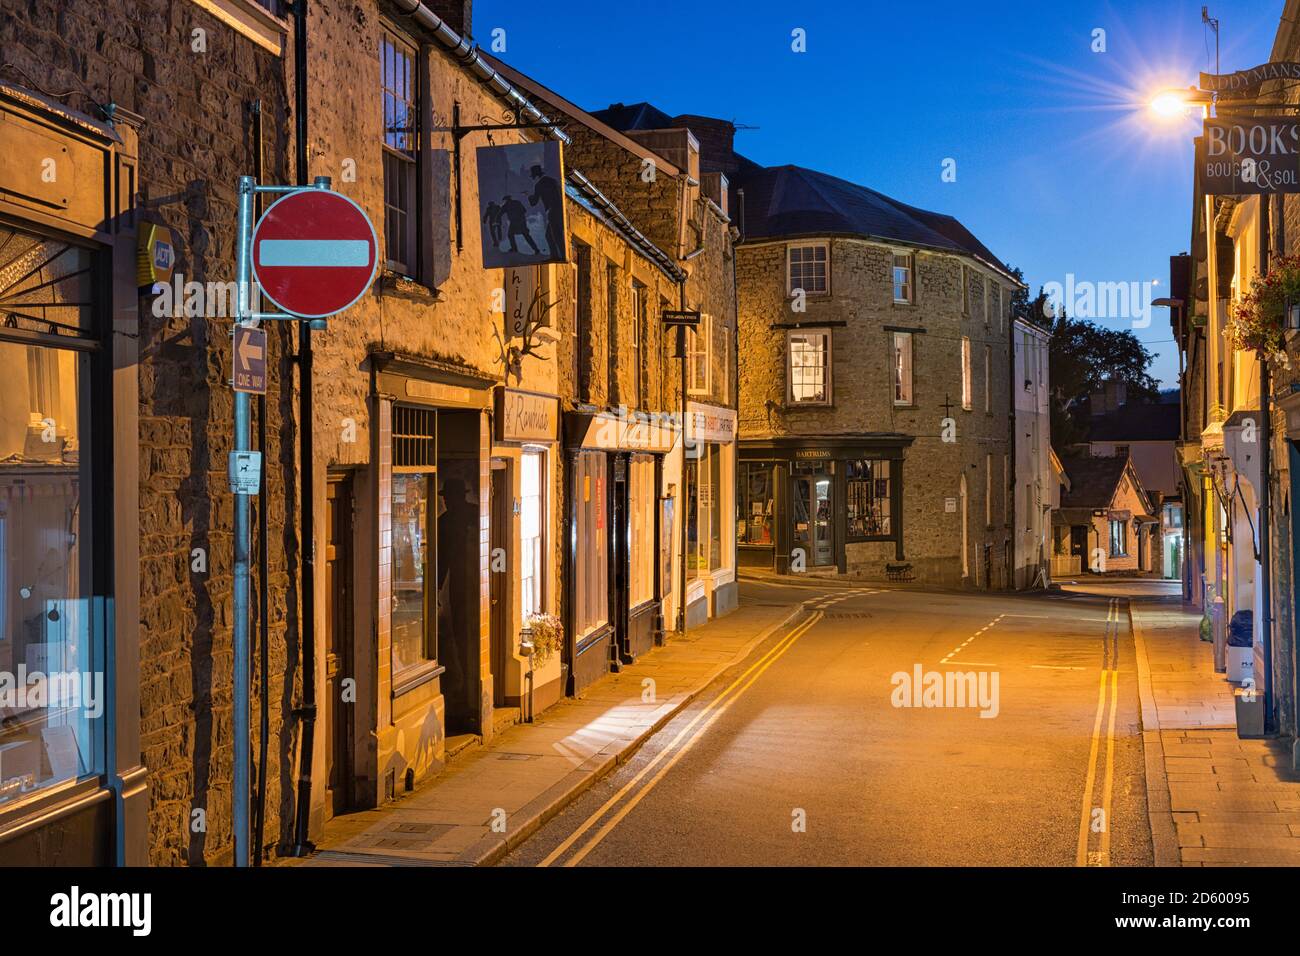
(521, 204)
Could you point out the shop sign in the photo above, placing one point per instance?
(1245, 82)
(706, 423)
(1246, 156)
(521, 204)
(526, 416)
(812, 453)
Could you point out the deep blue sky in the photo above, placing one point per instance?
(1060, 169)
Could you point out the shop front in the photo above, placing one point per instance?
(72, 791)
(524, 547)
(615, 562)
(431, 500)
(809, 503)
(710, 468)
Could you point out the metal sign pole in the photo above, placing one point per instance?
(242, 443)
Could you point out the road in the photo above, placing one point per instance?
(804, 755)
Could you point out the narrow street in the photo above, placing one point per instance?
(806, 730)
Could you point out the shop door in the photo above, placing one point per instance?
(338, 639)
(811, 503)
(620, 535)
(499, 582)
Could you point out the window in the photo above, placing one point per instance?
(532, 503)
(591, 582)
(613, 343)
(988, 379)
(400, 94)
(703, 510)
(988, 489)
(414, 538)
(582, 353)
(754, 503)
(724, 365)
(698, 341)
(807, 269)
(870, 501)
(808, 355)
(965, 290)
(1121, 451)
(997, 306)
(1030, 505)
(902, 368)
(965, 374)
(1118, 539)
(639, 333)
(641, 513)
(904, 286)
(984, 298)
(1030, 361)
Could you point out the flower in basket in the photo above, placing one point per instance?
(1257, 321)
(548, 636)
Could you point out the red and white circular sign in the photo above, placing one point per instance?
(314, 253)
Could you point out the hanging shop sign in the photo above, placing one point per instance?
(1248, 156)
(1245, 82)
(709, 423)
(521, 204)
(526, 416)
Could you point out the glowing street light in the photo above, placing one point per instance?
(1171, 104)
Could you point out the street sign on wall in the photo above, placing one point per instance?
(1249, 155)
(314, 253)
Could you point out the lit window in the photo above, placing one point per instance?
(870, 500)
(698, 341)
(965, 374)
(1118, 539)
(531, 503)
(902, 368)
(591, 575)
(809, 367)
(807, 269)
(904, 270)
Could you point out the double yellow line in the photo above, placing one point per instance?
(1109, 675)
(686, 737)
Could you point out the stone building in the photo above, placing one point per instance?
(1106, 516)
(476, 480)
(1032, 550)
(874, 356)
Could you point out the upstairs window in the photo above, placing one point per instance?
(698, 342)
(965, 374)
(401, 104)
(904, 278)
(808, 268)
(902, 368)
(808, 358)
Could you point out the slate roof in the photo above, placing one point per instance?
(1092, 481)
(1137, 423)
(790, 202)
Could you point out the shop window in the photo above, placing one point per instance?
(414, 629)
(870, 499)
(532, 506)
(808, 268)
(53, 689)
(754, 504)
(692, 515)
(641, 514)
(703, 510)
(398, 59)
(591, 560)
(902, 368)
(808, 357)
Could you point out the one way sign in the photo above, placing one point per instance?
(250, 360)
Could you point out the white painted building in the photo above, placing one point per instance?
(1033, 453)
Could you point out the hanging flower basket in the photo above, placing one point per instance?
(1257, 322)
(548, 637)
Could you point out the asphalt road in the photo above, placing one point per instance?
(801, 755)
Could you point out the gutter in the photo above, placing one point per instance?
(467, 52)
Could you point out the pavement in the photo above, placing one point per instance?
(489, 799)
(1215, 799)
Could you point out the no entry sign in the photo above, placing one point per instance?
(314, 253)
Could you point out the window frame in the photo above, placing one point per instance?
(539, 454)
(702, 333)
(1122, 526)
(910, 285)
(789, 268)
(413, 164)
(827, 367)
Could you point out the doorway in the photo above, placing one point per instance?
(499, 579)
(812, 508)
(339, 712)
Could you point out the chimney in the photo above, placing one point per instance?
(455, 13)
(717, 142)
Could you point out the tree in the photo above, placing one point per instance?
(1082, 356)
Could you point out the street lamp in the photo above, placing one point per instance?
(1175, 103)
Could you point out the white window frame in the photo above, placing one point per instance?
(701, 334)
(966, 398)
(827, 366)
(910, 285)
(904, 365)
(790, 285)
